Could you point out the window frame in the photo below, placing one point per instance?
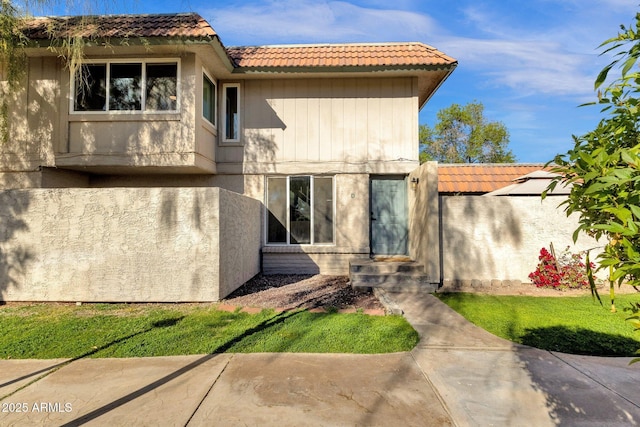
(312, 211)
(223, 113)
(143, 85)
(213, 81)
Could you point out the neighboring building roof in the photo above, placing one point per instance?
(119, 26)
(472, 178)
(340, 55)
(532, 184)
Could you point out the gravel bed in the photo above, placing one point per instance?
(289, 292)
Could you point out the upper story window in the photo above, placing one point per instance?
(231, 113)
(109, 86)
(209, 99)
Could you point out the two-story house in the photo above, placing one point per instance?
(323, 135)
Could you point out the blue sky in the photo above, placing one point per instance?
(531, 63)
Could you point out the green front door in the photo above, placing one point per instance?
(389, 230)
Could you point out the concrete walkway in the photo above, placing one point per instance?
(457, 375)
(487, 381)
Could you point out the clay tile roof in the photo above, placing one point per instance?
(189, 25)
(339, 55)
(480, 178)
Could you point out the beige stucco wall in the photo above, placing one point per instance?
(424, 236)
(126, 244)
(43, 178)
(499, 238)
(351, 219)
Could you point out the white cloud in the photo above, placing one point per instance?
(504, 51)
(308, 21)
(525, 66)
(532, 55)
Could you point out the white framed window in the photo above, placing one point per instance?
(300, 210)
(209, 98)
(126, 86)
(231, 112)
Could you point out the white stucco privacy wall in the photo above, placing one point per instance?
(488, 239)
(126, 244)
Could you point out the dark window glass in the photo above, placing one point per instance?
(162, 87)
(277, 207)
(91, 88)
(300, 209)
(208, 100)
(231, 112)
(124, 87)
(323, 209)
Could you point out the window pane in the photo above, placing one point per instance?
(231, 111)
(300, 209)
(277, 206)
(124, 87)
(208, 99)
(162, 87)
(91, 88)
(323, 210)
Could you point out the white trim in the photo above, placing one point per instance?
(143, 86)
(223, 111)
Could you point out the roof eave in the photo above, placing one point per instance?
(124, 41)
(451, 68)
(339, 69)
(35, 47)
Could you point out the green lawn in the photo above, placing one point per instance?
(43, 331)
(577, 325)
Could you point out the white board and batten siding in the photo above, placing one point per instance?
(346, 125)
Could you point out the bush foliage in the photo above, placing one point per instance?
(603, 168)
(567, 271)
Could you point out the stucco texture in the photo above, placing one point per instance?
(424, 238)
(125, 244)
(499, 238)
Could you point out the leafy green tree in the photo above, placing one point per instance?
(463, 135)
(603, 167)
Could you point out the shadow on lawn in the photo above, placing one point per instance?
(272, 321)
(164, 323)
(580, 341)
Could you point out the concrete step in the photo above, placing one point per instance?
(404, 288)
(405, 276)
(373, 267)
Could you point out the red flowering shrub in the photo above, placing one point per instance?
(565, 272)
